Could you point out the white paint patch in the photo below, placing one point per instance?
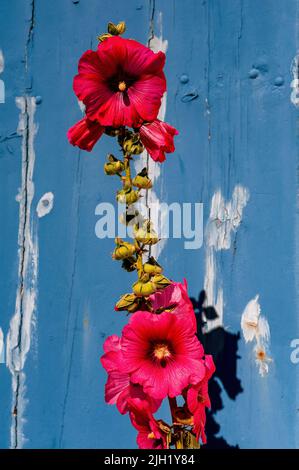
(295, 82)
(156, 44)
(45, 204)
(1, 346)
(255, 327)
(81, 106)
(2, 63)
(253, 324)
(20, 330)
(2, 85)
(224, 220)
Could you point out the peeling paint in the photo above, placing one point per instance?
(255, 327)
(20, 330)
(2, 85)
(45, 204)
(1, 346)
(295, 82)
(2, 63)
(156, 44)
(224, 220)
(81, 106)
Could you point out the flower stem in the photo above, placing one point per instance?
(128, 179)
(173, 406)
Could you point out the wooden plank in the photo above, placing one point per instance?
(229, 74)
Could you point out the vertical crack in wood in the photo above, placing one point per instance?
(16, 351)
(20, 292)
(29, 40)
(69, 369)
(152, 8)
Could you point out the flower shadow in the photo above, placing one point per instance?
(223, 346)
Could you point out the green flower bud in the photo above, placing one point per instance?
(132, 144)
(160, 281)
(104, 36)
(144, 288)
(127, 302)
(114, 166)
(152, 267)
(146, 234)
(127, 196)
(123, 249)
(142, 180)
(116, 29)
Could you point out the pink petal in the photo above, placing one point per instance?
(157, 137)
(85, 133)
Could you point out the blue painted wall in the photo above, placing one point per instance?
(237, 126)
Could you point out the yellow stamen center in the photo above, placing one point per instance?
(122, 86)
(151, 435)
(161, 351)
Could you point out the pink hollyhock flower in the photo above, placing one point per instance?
(198, 400)
(118, 388)
(122, 83)
(157, 138)
(150, 435)
(161, 353)
(85, 133)
(175, 299)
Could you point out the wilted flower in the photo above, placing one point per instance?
(174, 298)
(157, 138)
(198, 399)
(152, 434)
(85, 133)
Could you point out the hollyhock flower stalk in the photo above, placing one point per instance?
(158, 355)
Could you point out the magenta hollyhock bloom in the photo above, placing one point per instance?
(118, 388)
(157, 138)
(198, 400)
(122, 83)
(175, 299)
(150, 435)
(162, 353)
(85, 133)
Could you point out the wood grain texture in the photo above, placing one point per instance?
(237, 126)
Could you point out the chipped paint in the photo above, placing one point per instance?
(45, 204)
(295, 82)
(224, 220)
(2, 85)
(81, 106)
(156, 44)
(255, 328)
(20, 329)
(1, 346)
(2, 62)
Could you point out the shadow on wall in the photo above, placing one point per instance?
(224, 347)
